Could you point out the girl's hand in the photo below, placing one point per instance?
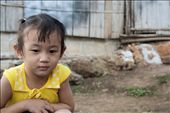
(60, 106)
(38, 106)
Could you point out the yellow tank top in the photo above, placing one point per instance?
(20, 90)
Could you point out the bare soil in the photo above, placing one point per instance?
(107, 94)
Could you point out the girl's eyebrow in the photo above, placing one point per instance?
(54, 46)
(36, 45)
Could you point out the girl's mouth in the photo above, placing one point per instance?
(43, 68)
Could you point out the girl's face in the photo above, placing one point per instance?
(40, 58)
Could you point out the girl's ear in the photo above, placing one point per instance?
(18, 51)
(62, 52)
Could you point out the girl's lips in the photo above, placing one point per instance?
(43, 67)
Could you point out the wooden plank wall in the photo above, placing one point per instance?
(81, 18)
(10, 16)
(2, 28)
(117, 18)
(108, 19)
(95, 19)
(100, 19)
(151, 14)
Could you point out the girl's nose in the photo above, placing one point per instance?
(44, 58)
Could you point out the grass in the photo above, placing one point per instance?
(76, 88)
(139, 92)
(163, 79)
(131, 91)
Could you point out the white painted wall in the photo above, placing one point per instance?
(90, 47)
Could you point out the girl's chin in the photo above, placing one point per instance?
(42, 74)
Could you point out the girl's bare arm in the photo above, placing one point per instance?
(31, 105)
(65, 97)
(6, 93)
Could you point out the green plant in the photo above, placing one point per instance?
(163, 79)
(139, 92)
(76, 88)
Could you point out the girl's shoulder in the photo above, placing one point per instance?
(14, 67)
(62, 72)
(13, 73)
(13, 70)
(62, 67)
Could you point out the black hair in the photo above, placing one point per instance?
(45, 25)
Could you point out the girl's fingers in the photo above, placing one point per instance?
(49, 108)
(44, 111)
(63, 111)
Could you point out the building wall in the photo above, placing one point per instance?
(93, 27)
(76, 47)
(97, 19)
(151, 14)
(90, 47)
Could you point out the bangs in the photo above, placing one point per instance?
(45, 28)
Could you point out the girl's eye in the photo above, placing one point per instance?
(35, 50)
(53, 51)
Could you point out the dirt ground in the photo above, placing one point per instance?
(108, 94)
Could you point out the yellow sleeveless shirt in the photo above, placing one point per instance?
(20, 90)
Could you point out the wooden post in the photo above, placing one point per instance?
(107, 19)
(127, 16)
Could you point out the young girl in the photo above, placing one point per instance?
(40, 84)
